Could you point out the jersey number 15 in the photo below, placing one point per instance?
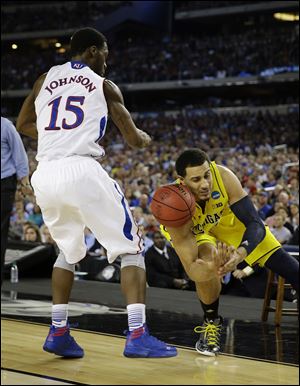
(69, 107)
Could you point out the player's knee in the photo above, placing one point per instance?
(61, 262)
(136, 260)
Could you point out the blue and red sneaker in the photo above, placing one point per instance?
(60, 342)
(140, 344)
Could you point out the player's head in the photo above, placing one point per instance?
(193, 168)
(90, 46)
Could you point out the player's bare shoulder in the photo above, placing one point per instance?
(111, 91)
(232, 184)
(225, 172)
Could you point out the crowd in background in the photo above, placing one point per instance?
(66, 14)
(179, 57)
(191, 5)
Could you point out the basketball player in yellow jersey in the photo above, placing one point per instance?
(224, 212)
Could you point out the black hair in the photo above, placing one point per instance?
(85, 38)
(188, 158)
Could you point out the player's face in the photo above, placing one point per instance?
(199, 181)
(100, 63)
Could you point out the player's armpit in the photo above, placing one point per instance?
(26, 121)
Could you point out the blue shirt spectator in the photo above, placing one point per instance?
(263, 206)
(13, 155)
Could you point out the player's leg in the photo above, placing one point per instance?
(285, 265)
(208, 293)
(59, 341)
(53, 184)
(270, 253)
(111, 221)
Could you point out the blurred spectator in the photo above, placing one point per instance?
(89, 238)
(132, 200)
(32, 233)
(274, 195)
(284, 198)
(151, 225)
(144, 203)
(282, 234)
(36, 216)
(294, 240)
(138, 215)
(294, 211)
(263, 206)
(45, 235)
(275, 208)
(293, 187)
(286, 221)
(148, 242)
(163, 266)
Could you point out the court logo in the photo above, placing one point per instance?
(42, 308)
(215, 195)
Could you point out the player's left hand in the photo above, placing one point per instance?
(229, 258)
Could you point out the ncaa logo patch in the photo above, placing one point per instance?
(215, 195)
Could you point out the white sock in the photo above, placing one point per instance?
(59, 315)
(136, 315)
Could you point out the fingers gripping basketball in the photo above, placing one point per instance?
(173, 205)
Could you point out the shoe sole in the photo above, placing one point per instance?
(149, 355)
(62, 355)
(206, 353)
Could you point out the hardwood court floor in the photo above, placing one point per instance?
(104, 364)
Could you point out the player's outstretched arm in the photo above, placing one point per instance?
(198, 268)
(121, 117)
(26, 122)
(243, 208)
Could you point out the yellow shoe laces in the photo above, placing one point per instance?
(211, 332)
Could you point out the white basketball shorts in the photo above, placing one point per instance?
(76, 192)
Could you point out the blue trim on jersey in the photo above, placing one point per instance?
(128, 223)
(77, 65)
(102, 128)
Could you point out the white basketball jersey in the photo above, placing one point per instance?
(71, 113)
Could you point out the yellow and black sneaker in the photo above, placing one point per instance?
(209, 340)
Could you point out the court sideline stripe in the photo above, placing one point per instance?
(41, 376)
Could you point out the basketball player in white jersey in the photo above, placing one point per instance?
(67, 112)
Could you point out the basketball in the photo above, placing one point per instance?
(173, 205)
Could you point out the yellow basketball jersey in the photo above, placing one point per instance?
(218, 222)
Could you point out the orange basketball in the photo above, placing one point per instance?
(173, 205)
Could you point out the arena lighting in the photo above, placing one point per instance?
(57, 44)
(286, 16)
(14, 46)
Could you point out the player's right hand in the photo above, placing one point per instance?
(146, 139)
